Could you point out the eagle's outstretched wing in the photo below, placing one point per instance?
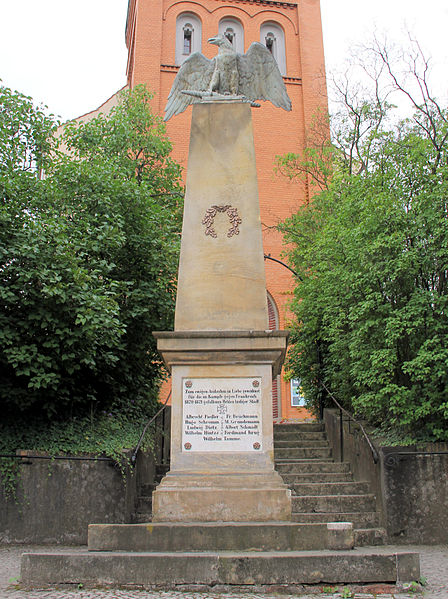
(194, 74)
(259, 77)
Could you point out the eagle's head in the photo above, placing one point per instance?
(221, 41)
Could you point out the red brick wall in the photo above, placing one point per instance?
(151, 41)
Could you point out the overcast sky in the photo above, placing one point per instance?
(72, 55)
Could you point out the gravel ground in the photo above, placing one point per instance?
(434, 568)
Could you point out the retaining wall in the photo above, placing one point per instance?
(411, 490)
(57, 500)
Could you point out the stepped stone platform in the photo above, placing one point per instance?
(167, 555)
(170, 569)
(207, 536)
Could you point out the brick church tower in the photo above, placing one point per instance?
(161, 34)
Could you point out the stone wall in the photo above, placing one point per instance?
(411, 490)
(416, 494)
(57, 500)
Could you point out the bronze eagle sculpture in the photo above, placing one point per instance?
(252, 76)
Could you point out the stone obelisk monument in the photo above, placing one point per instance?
(222, 488)
(221, 356)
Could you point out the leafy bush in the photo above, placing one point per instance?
(106, 434)
(88, 256)
(371, 249)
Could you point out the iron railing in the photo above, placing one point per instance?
(342, 410)
(392, 458)
(26, 456)
(269, 257)
(147, 425)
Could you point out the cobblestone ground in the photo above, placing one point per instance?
(434, 568)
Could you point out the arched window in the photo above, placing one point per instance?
(188, 36)
(234, 32)
(273, 37)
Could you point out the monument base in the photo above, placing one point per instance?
(222, 455)
(243, 498)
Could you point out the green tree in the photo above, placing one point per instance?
(88, 256)
(371, 248)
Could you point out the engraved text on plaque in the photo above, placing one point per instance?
(222, 414)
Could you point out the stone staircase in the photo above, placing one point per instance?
(143, 509)
(323, 490)
(193, 555)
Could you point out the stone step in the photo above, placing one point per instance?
(294, 443)
(146, 489)
(208, 536)
(330, 488)
(299, 461)
(170, 570)
(145, 503)
(359, 519)
(302, 452)
(306, 436)
(317, 477)
(363, 536)
(161, 470)
(333, 503)
(369, 537)
(140, 517)
(308, 427)
(310, 466)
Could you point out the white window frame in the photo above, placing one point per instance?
(275, 31)
(193, 22)
(237, 29)
(297, 399)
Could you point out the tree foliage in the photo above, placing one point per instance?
(88, 256)
(371, 249)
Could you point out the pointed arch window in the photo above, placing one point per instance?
(188, 36)
(273, 37)
(234, 32)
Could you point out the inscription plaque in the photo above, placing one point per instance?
(221, 414)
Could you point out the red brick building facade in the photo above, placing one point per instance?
(160, 34)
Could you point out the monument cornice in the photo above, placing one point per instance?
(220, 334)
(223, 347)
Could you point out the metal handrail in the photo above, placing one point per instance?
(372, 448)
(26, 456)
(269, 257)
(147, 425)
(366, 436)
(391, 458)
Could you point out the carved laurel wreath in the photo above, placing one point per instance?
(209, 220)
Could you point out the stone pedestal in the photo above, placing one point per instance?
(221, 439)
(222, 358)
